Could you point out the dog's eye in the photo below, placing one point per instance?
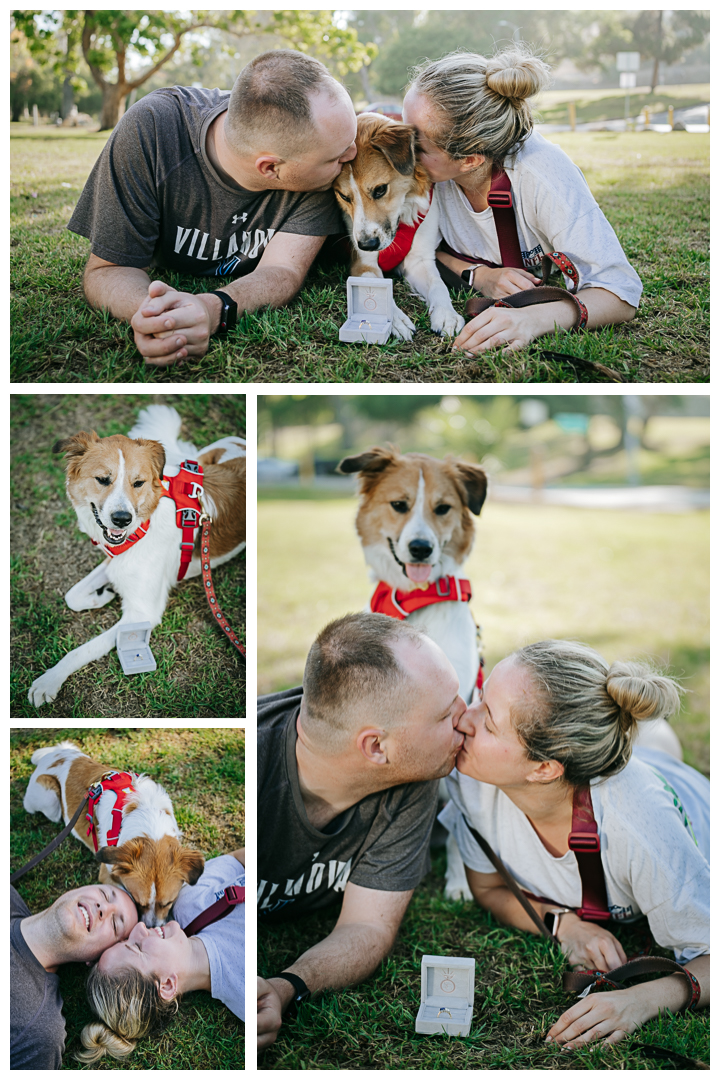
(104, 480)
(442, 509)
(378, 192)
(345, 198)
(401, 506)
(138, 483)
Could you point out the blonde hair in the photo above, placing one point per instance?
(582, 711)
(129, 1006)
(480, 103)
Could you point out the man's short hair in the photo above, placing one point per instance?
(270, 102)
(352, 663)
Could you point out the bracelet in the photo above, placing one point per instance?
(695, 991)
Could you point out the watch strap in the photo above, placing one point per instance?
(228, 315)
(302, 993)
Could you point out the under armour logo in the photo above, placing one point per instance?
(236, 218)
(197, 490)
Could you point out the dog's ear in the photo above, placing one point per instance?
(77, 445)
(372, 462)
(123, 857)
(473, 481)
(190, 864)
(157, 454)
(397, 143)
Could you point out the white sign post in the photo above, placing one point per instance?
(627, 63)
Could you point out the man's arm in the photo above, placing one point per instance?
(170, 325)
(362, 937)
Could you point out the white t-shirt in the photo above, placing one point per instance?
(652, 863)
(554, 210)
(224, 940)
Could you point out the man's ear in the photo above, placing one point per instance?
(267, 166)
(370, 743)
(168, 987)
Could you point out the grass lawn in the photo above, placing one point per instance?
(653, 189)
(198, 671)
(204, 773)
(629, 584)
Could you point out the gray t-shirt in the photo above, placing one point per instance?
(154, 199)
(224, 940)
(379, 843)
(37, 1027)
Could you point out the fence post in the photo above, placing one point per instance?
(36, 116)
(646, 116)
(572, 114)
(671, 116)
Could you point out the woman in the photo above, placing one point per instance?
(555, 717)
(136, 985)
(471, 116)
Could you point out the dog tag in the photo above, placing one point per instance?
(133, 648)
(370, 306)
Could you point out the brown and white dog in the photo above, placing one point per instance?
(381, 188)
(115, 486)
(415, 524)
(149, 861)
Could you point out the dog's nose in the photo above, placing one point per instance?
(369, 245)
(121, 518)
(420, 550)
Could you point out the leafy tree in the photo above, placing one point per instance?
(113, 42)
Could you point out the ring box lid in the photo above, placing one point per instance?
(446, 979)
(133, 648)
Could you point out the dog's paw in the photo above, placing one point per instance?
(402, 326)
(44, 690)
(457, 891)
(445, 321)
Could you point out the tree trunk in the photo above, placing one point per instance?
(658, 53)
(113, 105)
(68, 97)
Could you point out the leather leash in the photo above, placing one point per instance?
(222, 622)
(52, 845)
(232, 895)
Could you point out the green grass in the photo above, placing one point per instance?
(517, 998)
(198, 672)
(628, 583)
(204, 772)
(653, 188)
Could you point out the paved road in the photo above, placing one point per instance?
(654, 499)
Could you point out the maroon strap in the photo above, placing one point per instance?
(234, 894)
(500, 201)
(539, 294)
(210, 591)
(582, 982)
(584, 841)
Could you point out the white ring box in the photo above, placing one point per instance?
(447, 983)
(133, 648)
(370, 304)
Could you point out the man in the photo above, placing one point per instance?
(79, 926)
(348, 767)
(216, 185)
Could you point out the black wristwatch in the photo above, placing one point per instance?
(228, 315)
(301, 995)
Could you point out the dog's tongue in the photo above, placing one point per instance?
(418, 572)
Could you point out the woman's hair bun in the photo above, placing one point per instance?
(515, 73)
(642, 693)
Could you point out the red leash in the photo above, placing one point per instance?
(209, 589)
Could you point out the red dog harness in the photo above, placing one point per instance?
(392, 256)
(122, 784)
(398, 604)
(185, 490)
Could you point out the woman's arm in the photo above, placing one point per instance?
(616, 1013)
(239, 855)
(583, 943)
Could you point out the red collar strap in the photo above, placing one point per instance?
(584, 841)
(234, 894)
(185, 490)
(388, 601)
(122, 784)
(115, 550)
(392, 256)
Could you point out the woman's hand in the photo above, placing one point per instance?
(608, 1015)
(502, 281)
(588, 945)
(512, 327)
